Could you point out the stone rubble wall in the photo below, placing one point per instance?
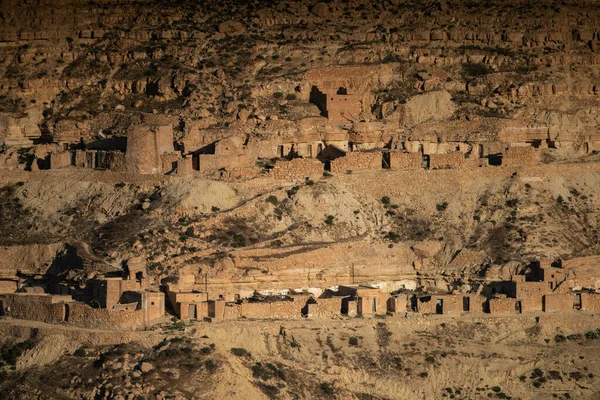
(451, 160)
(33, 307)
(521, 156)
(502, 305)
(326, 308)
(590, 302)
(558, 302)
(356, 161)
(297, 168)
(402, 160)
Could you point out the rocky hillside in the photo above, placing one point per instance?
(71, 72)
(516, 358)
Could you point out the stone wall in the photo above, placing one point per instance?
(451, 304)
(401, 160)
(8, 286)
(530, 294)
(145, 145)
(558, 302)
(60, 160)
(502, 305)
(521, 156)
(356, 161)
(451, 160)
(590, 301)
(208, 162)
(297, 168)
(342, 108)
(325, 308)
(35, 307)
(81, 314)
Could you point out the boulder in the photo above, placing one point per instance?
(146, 367)
(432, 106)
(231, 28)
(320, 10)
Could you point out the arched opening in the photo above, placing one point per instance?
(342, 91)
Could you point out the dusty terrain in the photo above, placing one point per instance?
(390, 358)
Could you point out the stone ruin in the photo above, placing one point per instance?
(125, 301)
(122, 300)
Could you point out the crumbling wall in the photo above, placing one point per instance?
(590, 301)
(8, 286)
(256, 310)
(451, 304)
(399, 303)
(297, 168)
(502, 305)
(530, 294)
(232, 311)
(208, 162)
(277, 309)
(356, 161)
(100, 318)
(455, 159)
(556, 302)
(145, 145)
(325, 308)
(342, 108)
(521, 156)
(44, 308)
(60, 160)
(402, 160)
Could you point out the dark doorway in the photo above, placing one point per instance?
(374, 306)
(192, 312)
(319, 99)
(386, 161)
(280, 151)
(495, 159)
(480, 150)
(342, 91)
(344, 309)
(518, 308)
(586, 148)
(466, 303)
(439, 306)
(67, 313)
(425, 162)
(196, 162)
(309, 151)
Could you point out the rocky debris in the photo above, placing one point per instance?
(320, 10)
(146, 367)
(232, 28)
(429, 107)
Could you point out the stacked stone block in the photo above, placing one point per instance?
(357, 161)
(297, 168)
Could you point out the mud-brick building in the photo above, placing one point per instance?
(363, 300)
(454, 303)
